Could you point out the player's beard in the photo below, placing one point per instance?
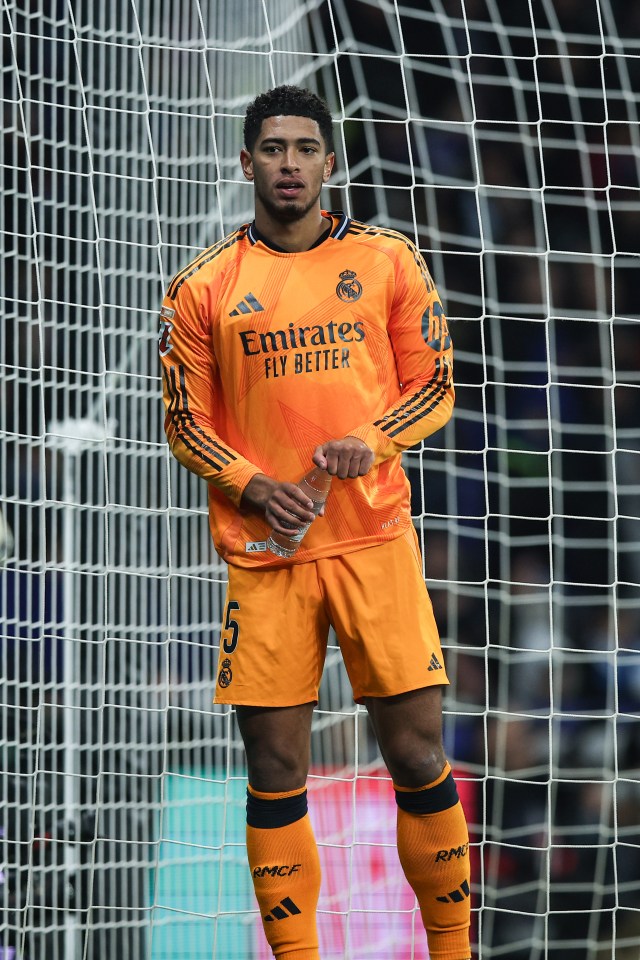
(288, 211)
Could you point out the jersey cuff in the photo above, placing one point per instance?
(233, 486)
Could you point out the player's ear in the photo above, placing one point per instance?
(329, 161)
(246, 163)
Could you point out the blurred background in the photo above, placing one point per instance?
(503, 139)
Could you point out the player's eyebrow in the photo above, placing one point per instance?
(281, 141)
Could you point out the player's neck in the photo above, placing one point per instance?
(294, 237)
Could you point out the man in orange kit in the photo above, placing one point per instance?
(306, 337)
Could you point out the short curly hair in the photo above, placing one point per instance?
(287, 101)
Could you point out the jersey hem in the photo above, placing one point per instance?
(337, 549)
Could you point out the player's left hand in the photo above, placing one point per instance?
(349, 457)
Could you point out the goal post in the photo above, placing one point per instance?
(503, 139)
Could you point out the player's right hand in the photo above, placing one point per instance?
(285, 507)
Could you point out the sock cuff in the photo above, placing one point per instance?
(268, 811)
(275, 796)
(446, 770)
(432, 798)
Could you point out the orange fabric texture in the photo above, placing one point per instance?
(267, 354)
(434, 853)
(285, 869)
(273, 653)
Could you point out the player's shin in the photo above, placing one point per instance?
(433, 846)
(285, 868)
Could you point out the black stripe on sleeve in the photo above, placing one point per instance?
(191, 435)
(433, 391)
(198, 429)
(423, 413)
(206, 257)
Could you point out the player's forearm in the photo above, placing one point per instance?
(205, 454)
(419, 413)
(191, 432)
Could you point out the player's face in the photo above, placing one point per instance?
(288, 166)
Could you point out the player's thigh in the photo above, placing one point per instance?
(277, 742)
(273, 638)
(382, 614)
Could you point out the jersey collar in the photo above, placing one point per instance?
(339, 224)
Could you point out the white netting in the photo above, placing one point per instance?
(503, 138)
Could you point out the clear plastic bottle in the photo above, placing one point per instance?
(316, 485)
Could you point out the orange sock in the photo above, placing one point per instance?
(433, 846)
(285, 867)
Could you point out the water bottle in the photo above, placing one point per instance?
(314, 485)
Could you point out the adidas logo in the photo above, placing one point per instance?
(250, 304)
(255, 546)
(277, 913)
(434, 663)
(456, 896)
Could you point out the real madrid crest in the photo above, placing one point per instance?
(225, 676)
(349, 288)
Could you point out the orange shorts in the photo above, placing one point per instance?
(276, 624)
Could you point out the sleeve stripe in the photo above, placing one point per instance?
(189, 270)
(180, 420)
(423, 413)
(416, 407)
(357, 227)
(205, 257)
(198, 453)
(406, 408)
(208, 443)
(186, 426)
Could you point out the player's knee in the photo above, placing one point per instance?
(414, 764)
(274, 768)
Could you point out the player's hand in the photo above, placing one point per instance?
(284, 505)
(349, 457)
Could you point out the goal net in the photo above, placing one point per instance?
(503, 139)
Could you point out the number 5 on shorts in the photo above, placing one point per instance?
(230, 643)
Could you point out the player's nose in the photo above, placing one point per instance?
(290, 160)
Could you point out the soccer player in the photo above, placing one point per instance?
(306, 337)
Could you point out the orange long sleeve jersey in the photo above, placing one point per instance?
(267, 354)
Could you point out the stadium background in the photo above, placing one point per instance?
(518, 177)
